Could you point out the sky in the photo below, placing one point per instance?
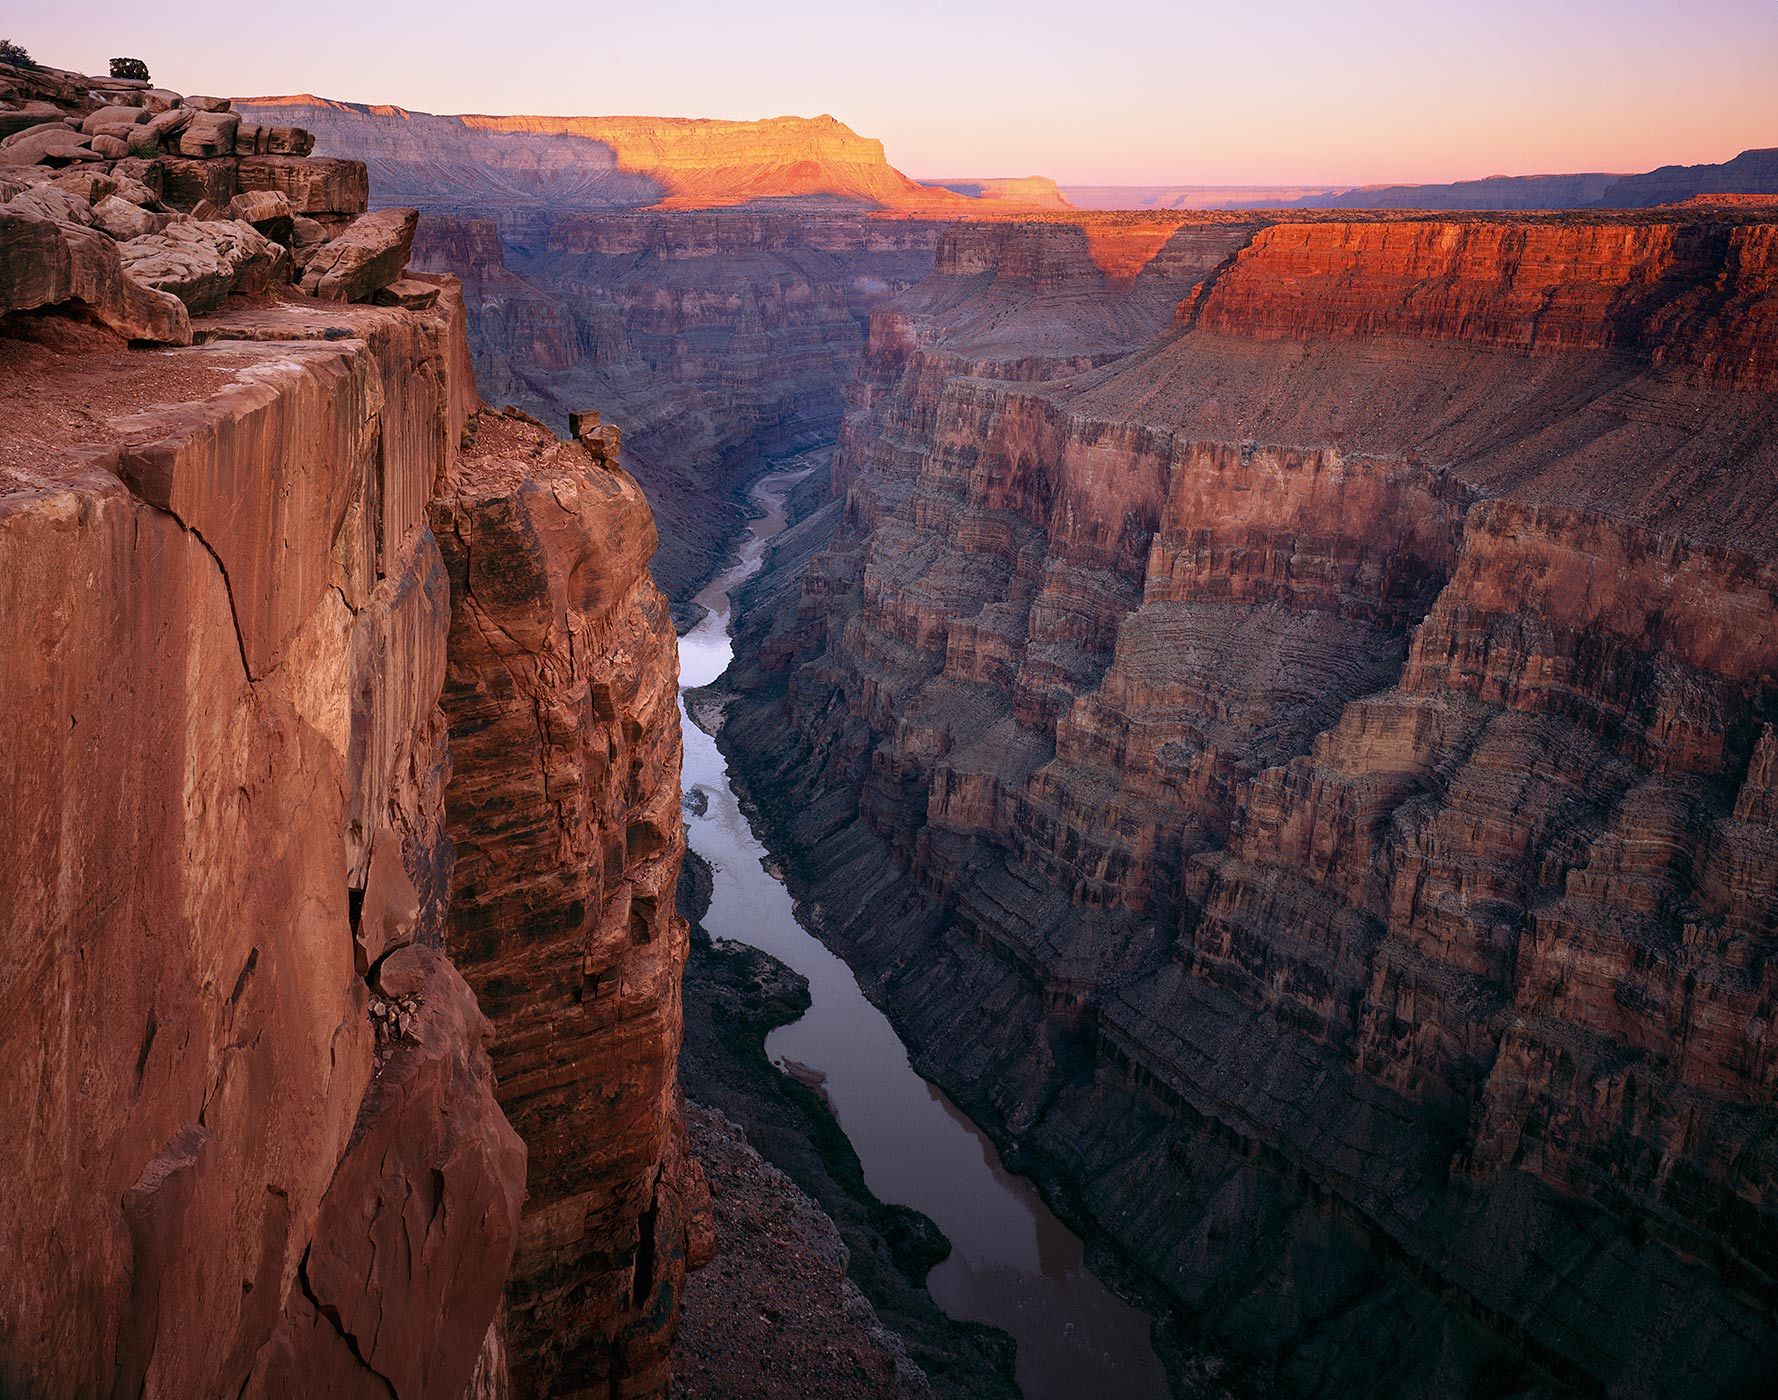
(1089, 92)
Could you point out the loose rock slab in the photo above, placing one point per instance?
(367, 257)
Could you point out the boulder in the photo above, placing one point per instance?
(113, 114)
(86, 181)
(290, 140)
(46, 263)
(110, 147)
(320, 185)
(46, 144)
(201, 261)
(184, 183)
(408, 293)
(367, 257)
(27, 115)
(126, 187)
(252, 139)
(209, 133)
(137, 174)
(307, 237)
(208, 104)
(53, 202)
(267, 210)
(124, 220)
(146, 140)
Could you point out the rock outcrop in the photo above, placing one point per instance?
(260, 1148)
(224, 755)
(564, 812)
(186, 207)
(1335, 742)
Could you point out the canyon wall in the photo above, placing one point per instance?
(265, 750)
(715, 339)
(1306, 782)
(473, 162)
(226, 771)
(1751, 172)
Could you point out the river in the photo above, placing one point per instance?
(1013, 1263)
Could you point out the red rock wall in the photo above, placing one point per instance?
(1691, 292)
(1351, 716)
(247, 1150)
(564, 811)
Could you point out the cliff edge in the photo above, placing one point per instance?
(261, 1144)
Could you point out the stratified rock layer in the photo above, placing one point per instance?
(1308, 780)
(471, 162)
(564, 812)
(259, 1148)
(236, 1169)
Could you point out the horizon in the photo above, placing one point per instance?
(1005, 95)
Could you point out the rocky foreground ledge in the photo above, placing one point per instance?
(149, 208)
(275, 766)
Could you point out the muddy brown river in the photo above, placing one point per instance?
(1013, 1264)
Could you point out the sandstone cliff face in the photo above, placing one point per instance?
(260, 1148)
(226, 770)
(1335, 741)
(564, 811)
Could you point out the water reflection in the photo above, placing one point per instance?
(1013, 1264)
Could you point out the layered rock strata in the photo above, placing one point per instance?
(258, 1144)
(1332, 744)
(261, 1149)
(564, 812)
(487, 162)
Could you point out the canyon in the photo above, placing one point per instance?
(957, 796)
(714, 339)
(1304, 782)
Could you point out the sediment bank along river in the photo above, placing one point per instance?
(1013, 1264)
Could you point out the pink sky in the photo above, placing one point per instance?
(1155, 92)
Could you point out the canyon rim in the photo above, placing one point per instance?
(644, 756)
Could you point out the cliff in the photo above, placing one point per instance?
(1334, 738)
(564, 812)
(480, 162)
(261, 1145)
(1028, 191)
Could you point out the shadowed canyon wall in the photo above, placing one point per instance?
(340, 769)
(714, 339)
(1308, 782)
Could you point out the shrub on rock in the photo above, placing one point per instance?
(133, 68)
